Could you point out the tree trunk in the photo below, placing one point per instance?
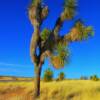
(37, 81)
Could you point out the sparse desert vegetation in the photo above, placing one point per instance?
(54, 90)
(48, 75)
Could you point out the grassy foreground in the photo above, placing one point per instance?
(63, 90)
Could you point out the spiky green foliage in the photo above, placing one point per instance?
(35, 2)
(48, 75)
(45, 34)
(63, 52)
(84, 31)
(70, 7)
(44, 12)
(80, 31)
(60, 55)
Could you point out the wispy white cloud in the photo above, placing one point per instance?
(12, 65)
(6, 67)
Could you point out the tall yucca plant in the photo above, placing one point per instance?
(49, 42)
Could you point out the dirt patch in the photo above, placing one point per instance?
(11, 92)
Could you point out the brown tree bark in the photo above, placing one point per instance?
(37, 81)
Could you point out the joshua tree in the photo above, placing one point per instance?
(48, 42)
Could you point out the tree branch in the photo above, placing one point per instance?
(46, 53)
(44, 12)
(35, 18)
(67, 14)
(58, 24)
(79, 32)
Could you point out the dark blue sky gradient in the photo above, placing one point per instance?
(16, 31)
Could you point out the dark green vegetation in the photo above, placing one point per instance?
(48, 75)
(61, 76)
(94, 78)
(49, 42)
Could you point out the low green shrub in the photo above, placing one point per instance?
(61, 76)
(48, 75)
(94, 78)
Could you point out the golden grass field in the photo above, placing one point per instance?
(55, 90)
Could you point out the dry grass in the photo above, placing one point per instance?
(63, 90)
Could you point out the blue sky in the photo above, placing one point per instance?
(16, 31)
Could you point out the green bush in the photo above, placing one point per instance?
(61, 76)
(48, 75)
(94, 78)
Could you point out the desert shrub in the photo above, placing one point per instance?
(94, 78)
(48, 75)
(61, 76)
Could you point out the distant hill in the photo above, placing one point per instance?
(13, 78)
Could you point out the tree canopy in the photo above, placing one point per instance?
(50, 43)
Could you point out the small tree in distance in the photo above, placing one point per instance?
(48, 75)
(94, 78)
(49, 42)
(61, 76)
